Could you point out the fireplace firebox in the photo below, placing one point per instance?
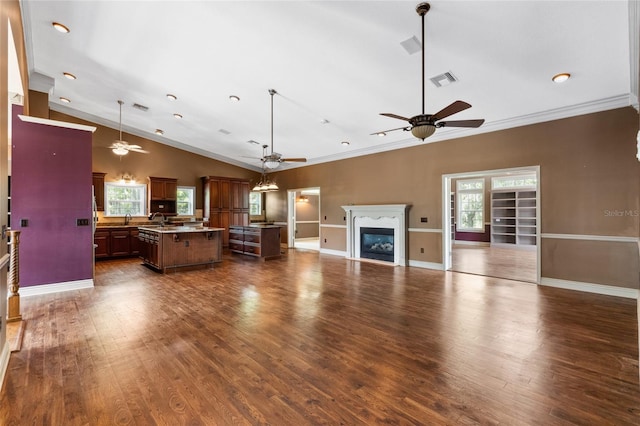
(377, 243)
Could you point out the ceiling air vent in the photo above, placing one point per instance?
(224, 132)
(141, 107)
(252, 142)
(411, 45)
(443, 79)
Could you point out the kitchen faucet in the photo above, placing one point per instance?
(127, 218)
(153, 216)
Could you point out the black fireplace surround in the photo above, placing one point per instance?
(377, 243)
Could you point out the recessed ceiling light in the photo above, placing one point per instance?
(561, 78)
(159, 132)
(381, 134)
(178, 116)
(324, 121)
(171, 97)
(65, 100)
(62, 28)
(234, 98)
(345, 143)
(69, 75)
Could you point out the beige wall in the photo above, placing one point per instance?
(587, 165)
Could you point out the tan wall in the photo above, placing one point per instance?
(587, 168)
(162, 160)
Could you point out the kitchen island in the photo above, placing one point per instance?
(173, 247)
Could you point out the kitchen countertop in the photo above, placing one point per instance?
(178, 229)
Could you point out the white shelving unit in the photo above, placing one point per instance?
(453, 216)
(513, 217)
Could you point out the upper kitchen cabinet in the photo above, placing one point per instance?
(162, 195)
(98, 190)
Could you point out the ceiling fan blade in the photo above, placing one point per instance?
(399, 117)
(406, 129)
(295, 160)
(460, 123)
(133, 146)
(454, 108)
(141, 151)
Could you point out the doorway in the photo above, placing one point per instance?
(304, 218)
(492, 223)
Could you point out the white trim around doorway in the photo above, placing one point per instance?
(446, 209)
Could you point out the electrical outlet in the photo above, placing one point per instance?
(82, 222)
(421, 249)
(325, 240)
(24, 223)
(424, 220)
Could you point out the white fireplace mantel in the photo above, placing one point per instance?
(392, 216)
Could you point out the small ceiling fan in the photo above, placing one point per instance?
(273, 160)
(121, 147)
(424, 125)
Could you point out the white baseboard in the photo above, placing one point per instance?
(4, 362)
(471, 243)
(426, 265)
(37, 290)
(334, 252)
(607, 290)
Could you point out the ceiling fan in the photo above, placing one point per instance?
(273, 160)
(424, 125)
(121, 147)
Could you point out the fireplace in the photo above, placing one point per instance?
(391, 217)
(377, 243)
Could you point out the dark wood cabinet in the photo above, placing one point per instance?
(98, 190)
(134, 242)
(120, 243)
(226, 203)
(101, 242)
(257, 241)
(162, 195)
(116, 242)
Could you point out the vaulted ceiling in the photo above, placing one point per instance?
(336, 65)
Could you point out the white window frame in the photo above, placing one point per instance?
(192, 200)
(142, 201)
(518, 181)
(260, 200)
(461, 191)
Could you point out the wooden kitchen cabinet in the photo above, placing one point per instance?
(162, 195)
(226, 203)
(101, 241)
(163, 188)
(116, 242)
(98, 190)
(258, 241)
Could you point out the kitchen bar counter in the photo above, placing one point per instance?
(165, 247)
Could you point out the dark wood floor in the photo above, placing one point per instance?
(511, 263)
(318, 339)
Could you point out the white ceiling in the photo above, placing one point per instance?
(341, 61)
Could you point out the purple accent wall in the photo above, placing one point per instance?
(472, 236)
(51, 188)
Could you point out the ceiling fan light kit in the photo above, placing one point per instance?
(423, 132)
(121, 147)
(425, 125)
(273, 160)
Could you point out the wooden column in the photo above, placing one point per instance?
(13, 311)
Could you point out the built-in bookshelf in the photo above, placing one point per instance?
(453, 216)
(513, 217)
